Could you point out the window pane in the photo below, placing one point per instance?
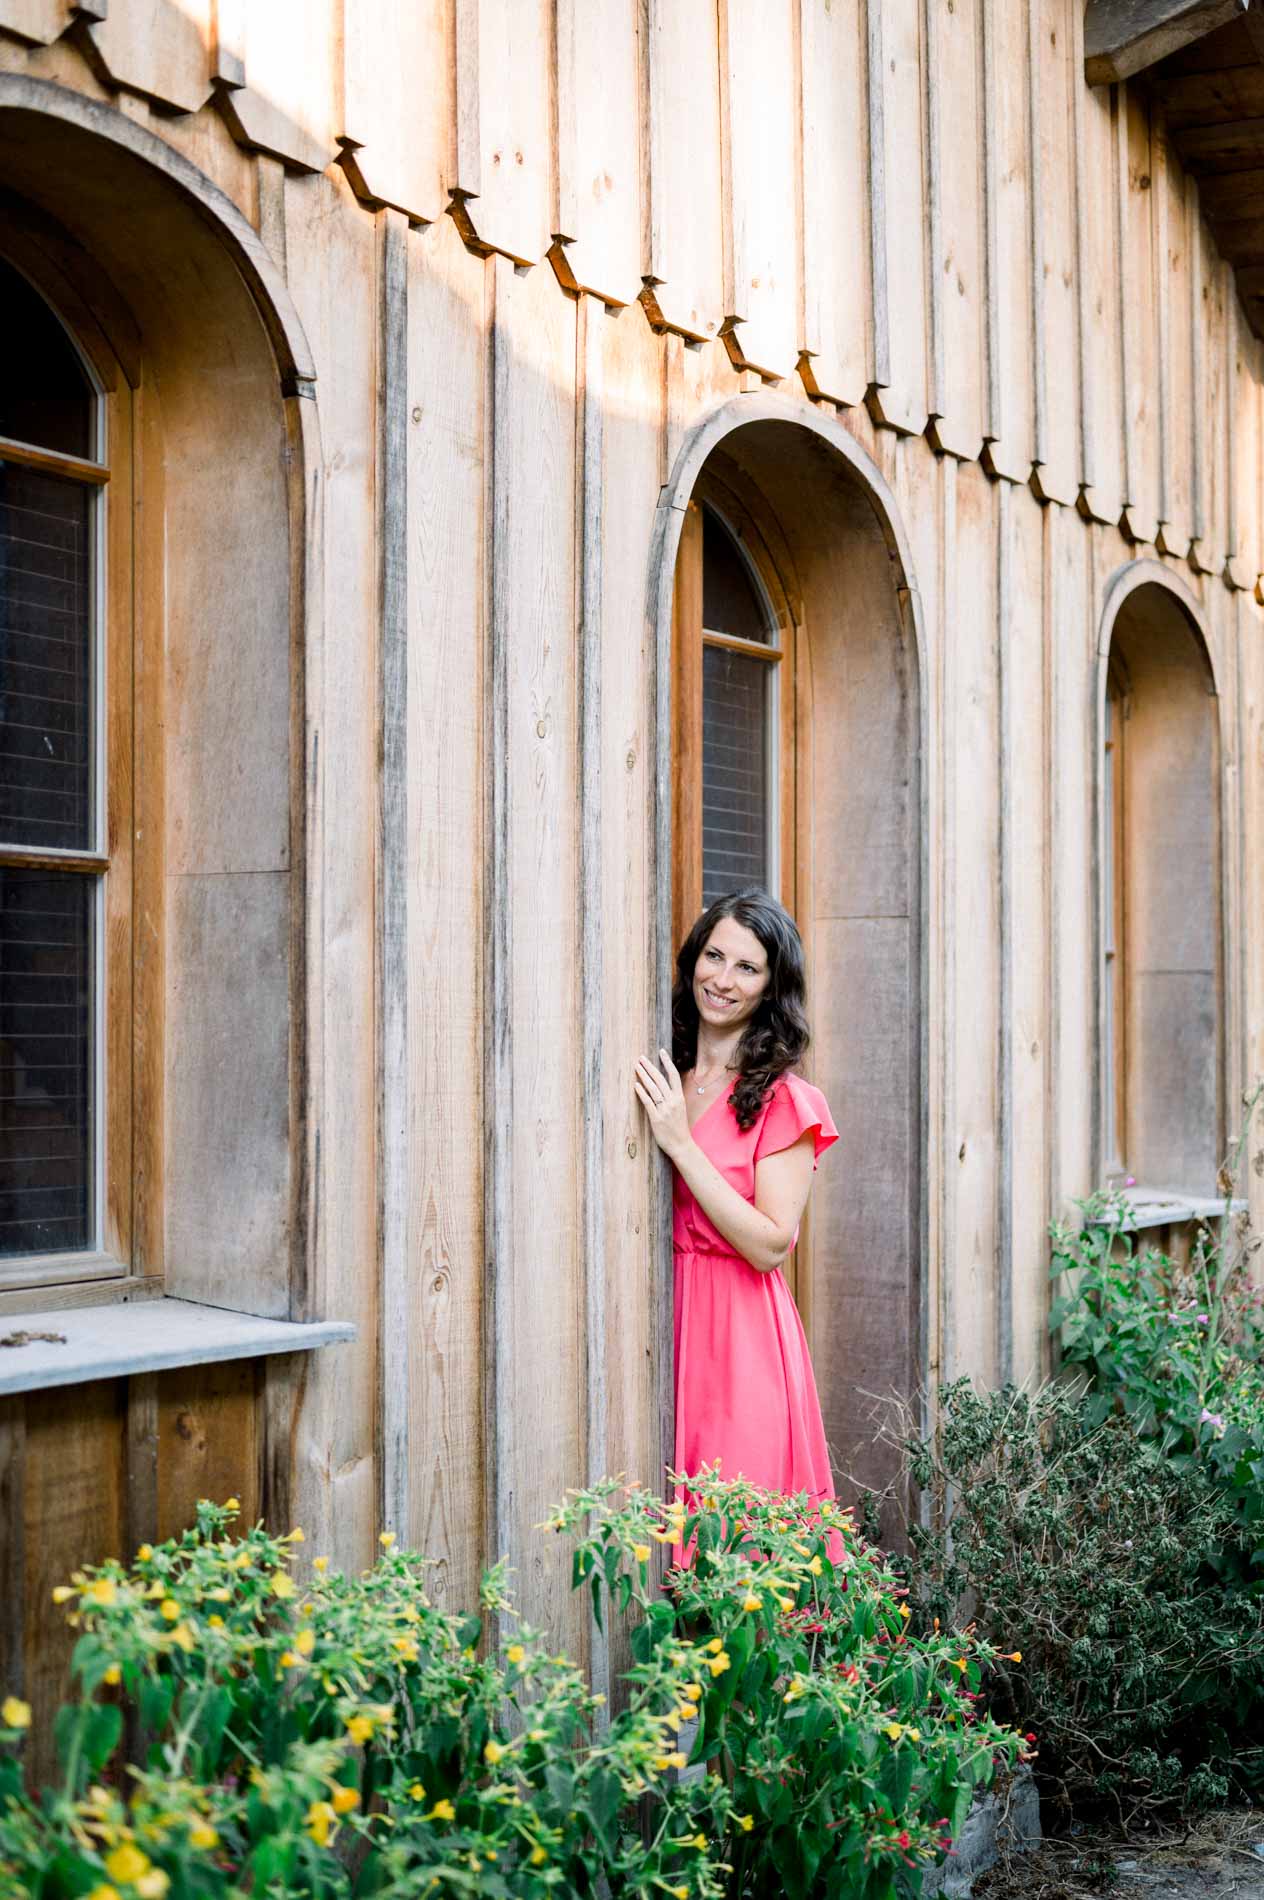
(734, 771)
(45, 660)
(45, 395)
(45, 1061)
(731, 602)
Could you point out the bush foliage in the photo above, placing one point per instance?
(1103, 1559)
(238, 1728)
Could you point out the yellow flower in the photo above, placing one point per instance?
(15, 1713)
(305, 1642)
(359, 1728)
(914, 1734)
(288, 1659)
(786, 1603)
(751, 1602)
(672, 1719)
(416, 1792)
(102, 1591)
(126, 1864)
(145, 1554)
(104, 1893)
(442, 1811)
(170, 1609)
(537, 1734)
(344, 1799)
(231, 1504)
(296, 1536)
(153, 1885)
(959, 1662)
(794, 1691)
(677, 1759)
(1017, 1656)
(694, 1691)
(816, 1566)
(493, 1752)
(183, 1637)
(719, 1662)
(679, 1893)
(202, 1834)
(905, 1611)
(63, 1593)
(155, 1590)
(745, 1821)
(894, 1730)
(386, 1539)
(715, 1646)
(320, 1564)
(282, 1585)
(215, 1622)
(243, 1560)
(222, 1594)
(699, 1841)
(113, 1675)
(641, 1552)
(516, 1654)
(664, 1537)
(538, 1856)
(320, 1818)
(409, 1613)
(406, 1648)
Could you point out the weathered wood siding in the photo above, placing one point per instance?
(533, 244)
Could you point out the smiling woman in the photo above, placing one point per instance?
(743, 1133)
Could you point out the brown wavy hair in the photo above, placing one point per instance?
(777, 1035)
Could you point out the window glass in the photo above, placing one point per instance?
(45, 395)
(45, 1061)
(735, 771)
(731, 601)
(45, 660)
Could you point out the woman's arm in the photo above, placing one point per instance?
(763, 1233)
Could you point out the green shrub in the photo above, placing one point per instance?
(1098, 1557)
(1177, 1346)
(236, 1732)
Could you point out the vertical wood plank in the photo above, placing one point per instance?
(1101, 355)
(1054, 78)
(1176, 349)
(1026, 924)
(762, 109)
(1135, 176)
(447, 474)
(394, 1304)
(13, 1545)
(290, 79)
(1214, 287)
(141, 1517)
(970, 609)
(897, 396)
(397, 132)
(685, 279)
(687, 727)
(1243, 562)
(953, 77)
(1010, 428)
(209, 1442)
(504, 158)
(837, 242)
(74, 1513)
(600, 170)
(533, 1216)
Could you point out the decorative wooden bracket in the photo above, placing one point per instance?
(1122, 37)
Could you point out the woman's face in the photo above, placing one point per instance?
(730, 976)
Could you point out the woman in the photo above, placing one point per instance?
(743, 1133)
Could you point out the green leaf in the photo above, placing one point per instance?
(102, 1729)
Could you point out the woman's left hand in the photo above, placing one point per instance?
(663, 1099)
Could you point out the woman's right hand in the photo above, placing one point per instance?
(662, 1096)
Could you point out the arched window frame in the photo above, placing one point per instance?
(726, 496)
(108, 860)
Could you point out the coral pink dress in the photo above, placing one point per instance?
(745, 1393)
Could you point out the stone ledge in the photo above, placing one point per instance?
(111, 1342)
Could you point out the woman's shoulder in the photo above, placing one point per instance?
(791, 1089)
(794, 1106)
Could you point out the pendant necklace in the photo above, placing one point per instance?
(700, 1088)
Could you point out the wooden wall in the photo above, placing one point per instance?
(533, 244)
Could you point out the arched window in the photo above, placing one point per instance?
(1162, 1114)
(57, 820)
(733, 739)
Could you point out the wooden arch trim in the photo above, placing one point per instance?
(707, 434)
(267, 287)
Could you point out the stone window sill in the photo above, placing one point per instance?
(114, 1341)
(1166, 1207)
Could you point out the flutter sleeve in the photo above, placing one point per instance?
(795, 1108)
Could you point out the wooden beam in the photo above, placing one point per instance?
(1235, 146)
(1122, 37)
